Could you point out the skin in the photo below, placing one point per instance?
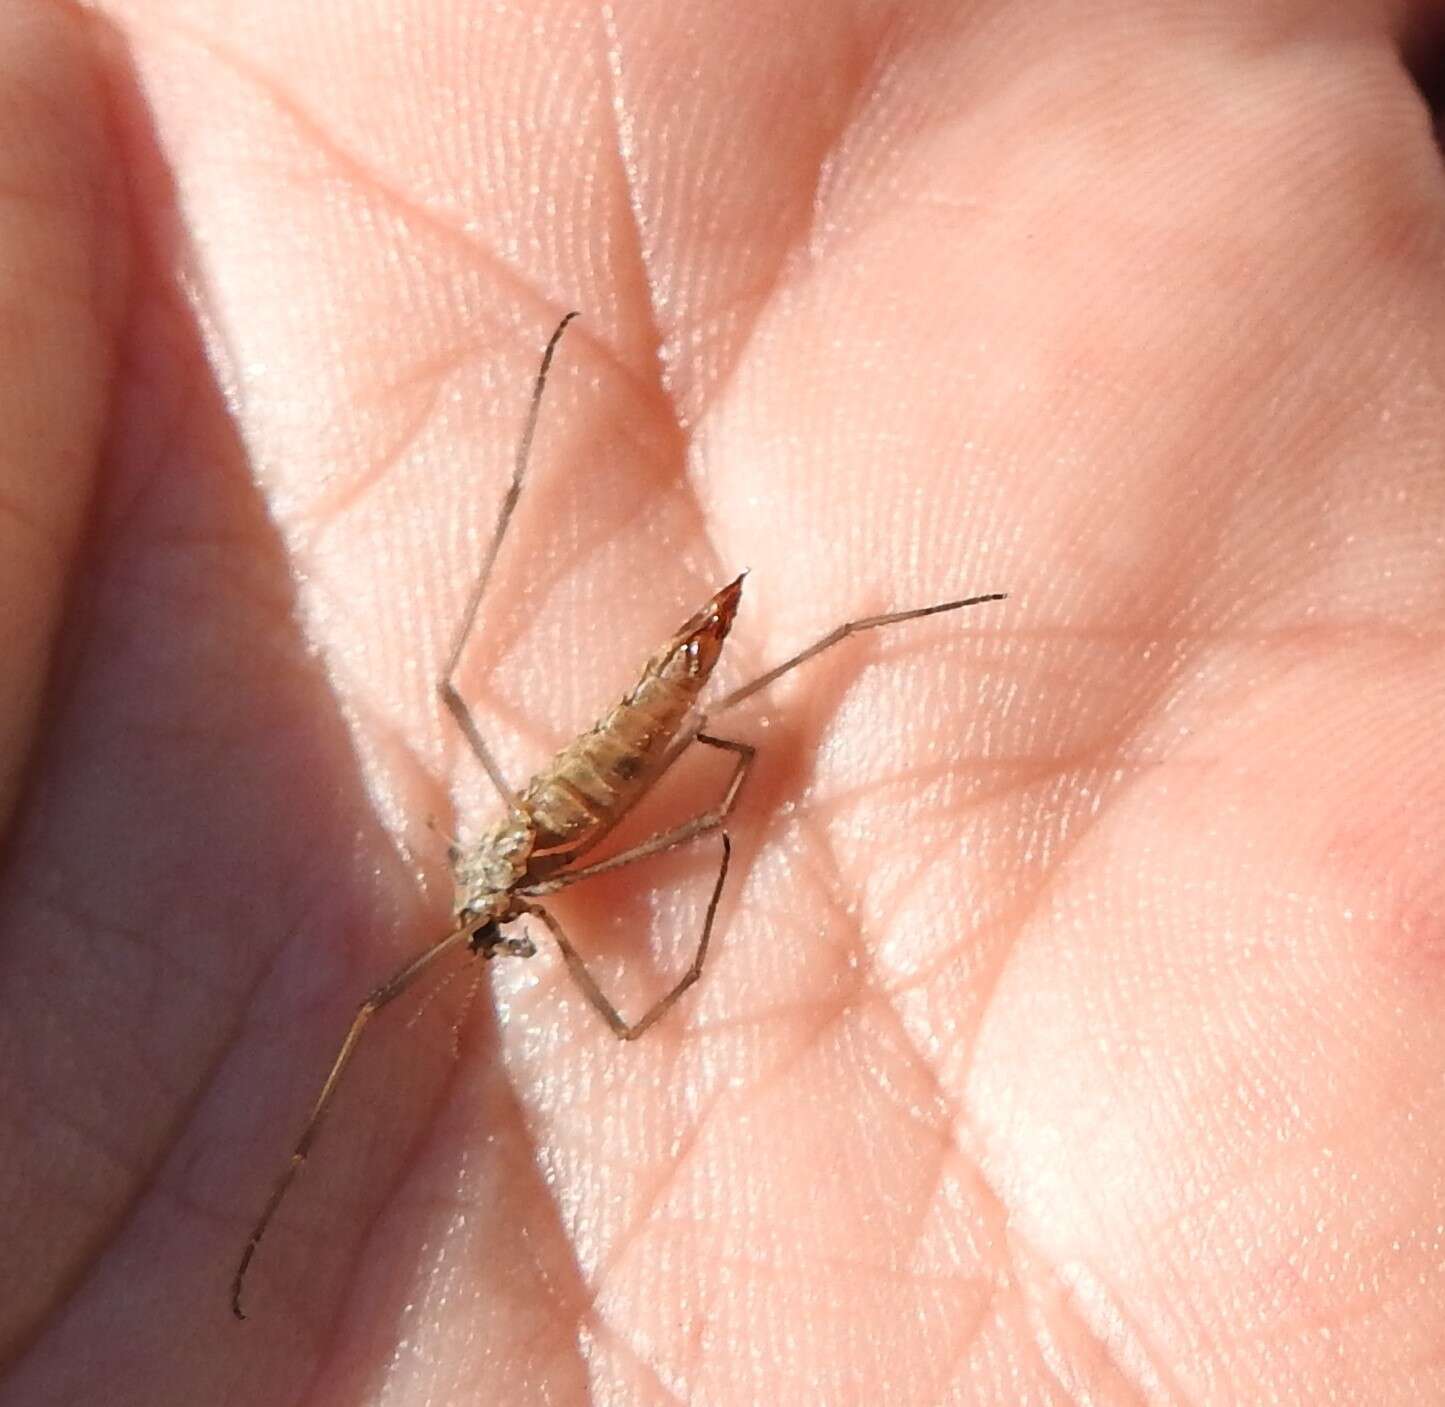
(1074, 1029)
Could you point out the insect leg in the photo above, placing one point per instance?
(454, 702)
(834, 637)
(597, 999)
(388, 990)
(700, 824)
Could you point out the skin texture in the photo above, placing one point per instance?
(1074, 1030)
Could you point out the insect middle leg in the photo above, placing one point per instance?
(446, 687)
(598, 999)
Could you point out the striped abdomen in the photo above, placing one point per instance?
(593, 782)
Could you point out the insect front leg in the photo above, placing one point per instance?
(599, 1001)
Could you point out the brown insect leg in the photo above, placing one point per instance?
(834, 637)
(700, 824)
(388, 990)
(446, 687)
(598, 1000)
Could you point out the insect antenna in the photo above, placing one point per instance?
(389, 990)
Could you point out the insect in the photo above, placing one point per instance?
(575, 801)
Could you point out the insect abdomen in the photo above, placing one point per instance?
(593, 782)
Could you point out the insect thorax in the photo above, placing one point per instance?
(487, 871)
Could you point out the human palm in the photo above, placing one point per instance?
(1071, 1030)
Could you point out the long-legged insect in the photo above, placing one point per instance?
(574, 801)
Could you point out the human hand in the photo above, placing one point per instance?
(1071, 1030)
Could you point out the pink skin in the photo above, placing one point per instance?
(1077, 1018)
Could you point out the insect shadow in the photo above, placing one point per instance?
(576, 800)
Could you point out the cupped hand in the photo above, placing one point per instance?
(1072, 1030)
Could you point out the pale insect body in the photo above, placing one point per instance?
(573, 803)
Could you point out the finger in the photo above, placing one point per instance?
(61, 265)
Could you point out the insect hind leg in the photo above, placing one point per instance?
(837, 636)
